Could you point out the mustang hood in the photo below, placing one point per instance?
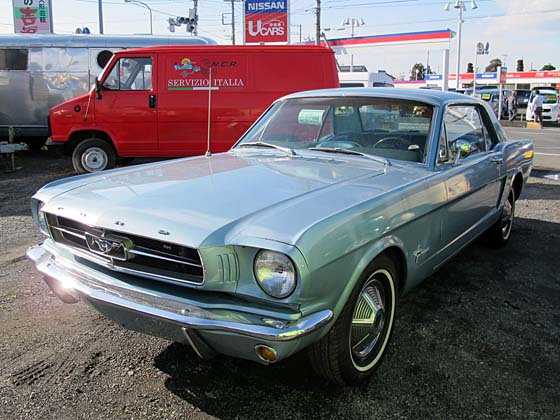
(206, 201)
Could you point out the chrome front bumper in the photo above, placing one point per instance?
(163, 315)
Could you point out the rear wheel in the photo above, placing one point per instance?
(93, 155)
(498, 235)
(354, 347)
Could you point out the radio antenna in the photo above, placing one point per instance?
(208, 153)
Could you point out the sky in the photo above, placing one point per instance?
(515, 29)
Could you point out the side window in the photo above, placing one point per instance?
(464, 123)
(13, 59)
(130, 74)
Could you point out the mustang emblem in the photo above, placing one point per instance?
(108, 246)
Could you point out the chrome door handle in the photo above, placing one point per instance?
(497, 160)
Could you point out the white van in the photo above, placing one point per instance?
(365, 79)
(550, 105)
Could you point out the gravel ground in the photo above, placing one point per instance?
(479, 339)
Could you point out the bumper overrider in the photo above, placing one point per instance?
(208, 328)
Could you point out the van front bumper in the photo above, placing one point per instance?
(207, 330)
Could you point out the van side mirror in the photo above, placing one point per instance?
(97, 88)
(461, 149)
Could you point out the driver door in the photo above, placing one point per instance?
(127, 110)
(472, 182)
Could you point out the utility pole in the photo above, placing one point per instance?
(100, 7)
(318, 23)
(196, 17)
(233, 22)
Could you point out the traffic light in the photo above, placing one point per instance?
(470, 68)
(182, 20)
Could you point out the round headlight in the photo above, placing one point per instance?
(275, 273)
(41, 217)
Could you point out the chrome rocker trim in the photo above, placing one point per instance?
(72, 282)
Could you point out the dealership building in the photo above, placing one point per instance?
(514, 80)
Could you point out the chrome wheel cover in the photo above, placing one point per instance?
(507, 219)
(372, 320)
(94, 159)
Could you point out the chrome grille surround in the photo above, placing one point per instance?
(143, 257)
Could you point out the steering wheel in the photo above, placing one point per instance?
(392, 142)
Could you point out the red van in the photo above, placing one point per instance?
(164, 101)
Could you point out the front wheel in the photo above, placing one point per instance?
(93, 155)
(354, 347)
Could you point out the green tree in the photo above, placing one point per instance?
(418, 72)
(548, 67)
(493, 66)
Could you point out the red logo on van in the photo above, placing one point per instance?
(187, 66)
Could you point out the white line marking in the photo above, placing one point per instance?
(548, 154)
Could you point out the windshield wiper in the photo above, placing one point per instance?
(378, 159)
(287, 150)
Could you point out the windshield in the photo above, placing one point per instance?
(390, 128)
(549, 97)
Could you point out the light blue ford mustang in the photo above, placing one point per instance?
(302, 236)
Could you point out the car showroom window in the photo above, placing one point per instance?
(464, 123)
(130, 74)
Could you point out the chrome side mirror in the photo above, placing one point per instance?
(461, 149)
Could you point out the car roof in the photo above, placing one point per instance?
(433, 97)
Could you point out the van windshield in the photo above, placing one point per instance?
(550, 97)
(391, 128)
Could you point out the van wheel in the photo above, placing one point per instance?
(354, 347)
(93, 155)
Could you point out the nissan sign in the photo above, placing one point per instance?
(266, 21)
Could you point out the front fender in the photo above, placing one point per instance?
(335, 295)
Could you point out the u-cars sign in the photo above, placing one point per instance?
(266, 21)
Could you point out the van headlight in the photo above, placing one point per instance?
(42, 219)
(275, 273)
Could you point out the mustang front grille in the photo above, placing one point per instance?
(129, 253)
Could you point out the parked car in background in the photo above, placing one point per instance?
(493, 98)
(301, 237)
(550, 105)
(522, 99)
(173, 101)
(38, 72)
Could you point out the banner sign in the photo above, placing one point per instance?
(266, 21)
(32, 16)
(503, 74)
